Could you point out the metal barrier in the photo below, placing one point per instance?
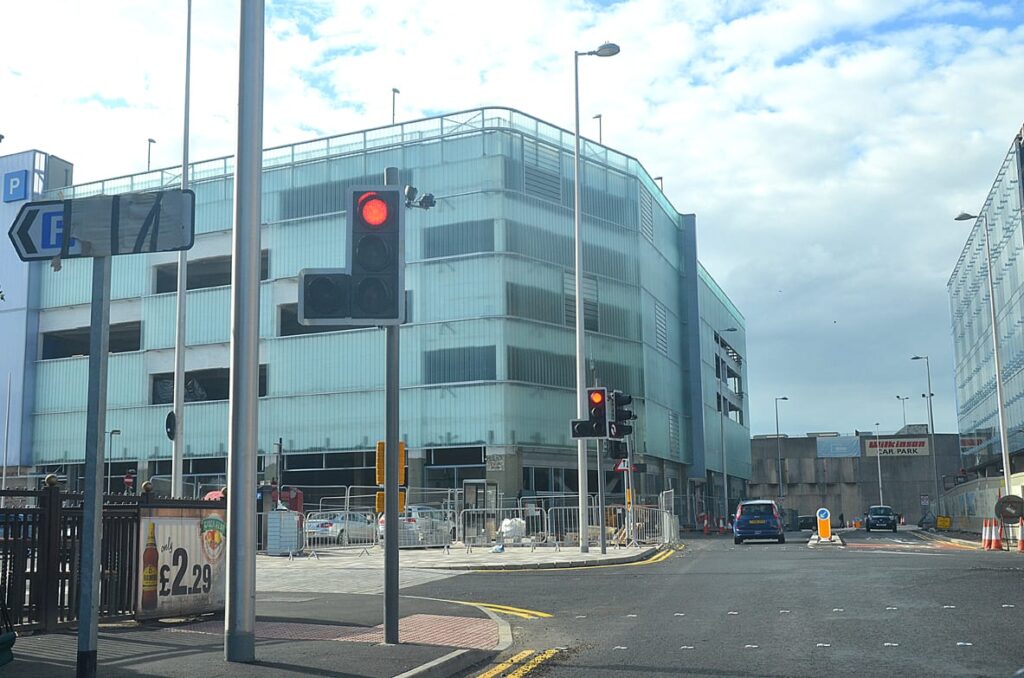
(564, 525)
(337, 530)
(526, 525)
(421, 527)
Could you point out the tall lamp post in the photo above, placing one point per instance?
(394, 93)
(149, 153)
(722, 376)
(606, 50)
(878, 458)
(600, 131)
(110, 454)
(778, 444)
(931, 425)
(1004, 439)
(903, 401)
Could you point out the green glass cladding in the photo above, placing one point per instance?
(488, 350)
(971, 319)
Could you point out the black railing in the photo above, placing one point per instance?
(40, 554)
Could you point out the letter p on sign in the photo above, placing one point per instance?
(16, 186)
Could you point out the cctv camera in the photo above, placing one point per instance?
(410, 193)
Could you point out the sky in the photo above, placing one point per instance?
(824, 145)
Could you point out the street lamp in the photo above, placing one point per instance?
(722, 376)
(149, 153)
(606, 50)
(110, 454)
(903, 401)
(394, 93)
(931, 424)
(1004, 442)
(778, 443)
(661, 183)
(600, 134)
(878, 458)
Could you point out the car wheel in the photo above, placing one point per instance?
(782, 539)
(737, 540)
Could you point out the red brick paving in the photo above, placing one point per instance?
(423, 629)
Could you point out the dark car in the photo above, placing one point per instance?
(880, 518)
(758, 519)
(808, 523)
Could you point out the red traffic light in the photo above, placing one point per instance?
(373, 210)
(596, 397)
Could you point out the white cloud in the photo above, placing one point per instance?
(823, 145)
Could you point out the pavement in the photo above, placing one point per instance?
(323, 616)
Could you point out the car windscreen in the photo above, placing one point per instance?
(881, 511)
(756, 511)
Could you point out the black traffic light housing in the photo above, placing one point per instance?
(323, 296)
(620, 415)
(376, 222)
(617, 449)
(596, 423)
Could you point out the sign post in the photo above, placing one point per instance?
(824, 525)
(99, 227)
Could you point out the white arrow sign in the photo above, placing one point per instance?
(105, 225)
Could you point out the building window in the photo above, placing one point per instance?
(647, 215)
(464, 237)
(591, 320)
(541, 367)
(200, 385)
(203, 273)
(124, 338)
(454, 365)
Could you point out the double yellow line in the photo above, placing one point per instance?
(520, 612)
(535, 660)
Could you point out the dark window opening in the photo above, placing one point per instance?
(453, 365)
(200, 385)
(124, 337)
(203, 273)
(460, 238)
(455, 456)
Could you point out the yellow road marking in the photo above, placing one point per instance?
(536, 661)
(924, 536)
(517, 611)
(656, 558)
(505, 666)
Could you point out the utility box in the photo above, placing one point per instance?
(284, 533)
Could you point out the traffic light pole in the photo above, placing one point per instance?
(632, 491)
(602, 447)
(391, 386)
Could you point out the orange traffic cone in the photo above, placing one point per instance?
(1020, 536)
(707, 527)
(986, 534)
(997, 535)
(721, 526)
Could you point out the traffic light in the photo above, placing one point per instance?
(597, 410)
(621, 415)
(323, 296)
(617, 449)
(376, 223)
(381, 461)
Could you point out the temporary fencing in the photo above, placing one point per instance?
(337, 530)
(527, 525)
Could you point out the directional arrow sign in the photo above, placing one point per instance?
(105, 225)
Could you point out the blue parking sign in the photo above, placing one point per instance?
(16, 186)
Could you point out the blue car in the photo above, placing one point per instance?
(758, 519)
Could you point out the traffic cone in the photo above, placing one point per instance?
(997, 535)
(721, 526)
(1020, 536)
(707, 527)
(986, 534)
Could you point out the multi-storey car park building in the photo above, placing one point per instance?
(487, 371)
(972, 325)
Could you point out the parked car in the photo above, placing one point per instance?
(421, 526)
(341, 527)
(880, 518)
(758, 519)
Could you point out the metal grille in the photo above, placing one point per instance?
(673, 431)
(591, 320)
(660, 328)
(542, 171)
(647, 215)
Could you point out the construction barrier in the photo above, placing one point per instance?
(337, 530)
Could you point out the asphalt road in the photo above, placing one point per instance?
(885, 604)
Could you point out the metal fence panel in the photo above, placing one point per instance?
(339, 529)
(509, 525)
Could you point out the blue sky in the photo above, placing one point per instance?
(824, 145)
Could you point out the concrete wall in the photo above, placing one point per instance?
(847, 485)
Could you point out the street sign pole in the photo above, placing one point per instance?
(632, 490)
(391, 394)
(240, 586)
(95, 425)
